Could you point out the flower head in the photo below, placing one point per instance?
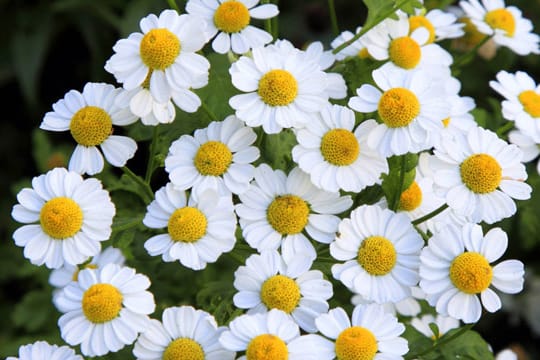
(42, 350)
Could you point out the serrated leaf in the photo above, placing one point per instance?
(470, 345)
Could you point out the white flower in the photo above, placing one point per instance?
(505, 23)
(277, 209)
(185, 333)
(199, 229)
(479, 175)
(444, 324)
(528, 146)
(142, 104)
(42, 350)
(68, 217)
(284, 88)
(230, 20)
(460, 119)
(90, 117)
(455, 269)
(406, 307)
(381, 252)
(356, 48)
(440, 24)
(335, 154)
(105, 309)
(217, 157)
(268, 282)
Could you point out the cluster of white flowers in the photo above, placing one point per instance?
(387, 253)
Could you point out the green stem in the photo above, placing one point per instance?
(173, 5)
(128, 225)
(432, 214)
(236, 257)
(463, 59)
(209, 112)
(395, 203)
(148, 193)
(442, 342)
(151, 157)
(505, 128)
(333, 17)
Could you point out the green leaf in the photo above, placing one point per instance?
(470, 345)
(276, 149)
(33, 312)
(399, 178)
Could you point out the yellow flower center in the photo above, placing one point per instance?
(421, 21)
(501, 19)
(411, 198)
(446, 122)
(90, 126)
(159, 49)
(213, 158)
(356, 343)
(267, 347)
(61, 217)
(398, 107)
(377, 255)
(183, 349)
(340, 147)
(278, 88)
(187, 224)
(288, 214)
(471, 273)
(75, 276)
(363, 53)
(405, 52)
(481, 173)
(280, 292)
(231, 16)
(101, 303)
(472, 36)
(531, 102)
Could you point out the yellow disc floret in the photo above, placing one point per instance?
(183, 349)
(364, 54)
(398, 107)
(267, 347)
(446, 122)
(501, 19)
(531, 102)
(90, 126)
(187, 224)
(159, 49)
(213, 158)
(481, 173)
(280, 292)
(356, 343)
(340, 147)
(288, 214)
(471, 273)
(405, 52)
(377, 255)
(411, 198)
(278, 88)
(421, 21)
(231, 16)
(101, 303)
(61, 217)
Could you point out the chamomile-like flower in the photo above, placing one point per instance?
(381, 252)
(444, 324)
(440, 24)
(268, 282)
(479, 174)
(528, 146)
(460, 119)
(283, 88)
(335, 154)
(230, 20)
(356, 48)
(67, 218)
(199, 228)
(184, 333)
(505, 23)
(163, 58)
(277, 208)
(217, 157)
(410, 105)
(105, 309)
(456, 270)
(90, 116)
(42, 350)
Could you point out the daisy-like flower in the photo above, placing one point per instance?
(42, 350)
(199, 229)
(263, 336)
(440, 24)
(163, 57)
(370, 333)
(284, 88)
(268, 282)
(217, 157)
(505, 23)
(335, 154)
(105, 309)
(479, 174)
(67, 218)
(460, 120)
(230, 20)
(277, 208)
(456, 270)
(381, 251)
(522, 101)
(356, 48)
(410, 105)
(185, 333)
(444, 324)
(528, 146)
(90, 116)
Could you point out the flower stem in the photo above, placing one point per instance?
(151, 157)
(127, 225)
(438, 344)
(333, 17)
(432, 214)
(505, 128)
(148, 194)
(173, 5)
(395, 204)
(463, 59)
